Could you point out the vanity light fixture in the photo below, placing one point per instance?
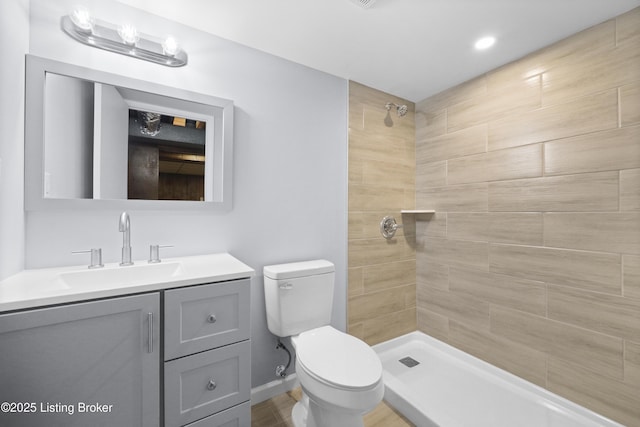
(124, 39)
(485, 43)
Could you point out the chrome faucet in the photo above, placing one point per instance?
(125, 228)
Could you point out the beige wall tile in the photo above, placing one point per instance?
(430, 273)
(593, 271)
(523, 228)
(592, 41)
(630, 104)
(432, 175)
(583, 192)
(609, 397)
(594, 73)
(608, 314)
(467, 90)
(632, 363)
(600, 151)
(631, 276)
(388, 174)
(583, 115)
(459, 307)
(457, 252)
(609, 232)
(630, 190)
(590, 350)
(369, 145)
(388, 275)
(456, 198)
(503, 353)
(355, 226)
(430, 123)
(378, 251)
(372, 305)
(355, 171)
(435, 225)
(374, 198)
(355, 329)
(512, 163)
(512, 97)
(385, 327)
(507, 291)
(461, 143)
(433, 324)
(356, 282)
(628, 26)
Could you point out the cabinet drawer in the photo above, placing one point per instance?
(203, 317)
(238, 416)
(205, 383)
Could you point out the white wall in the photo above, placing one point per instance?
(290, 176)
(14, 43)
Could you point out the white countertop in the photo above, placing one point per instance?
(41, 287)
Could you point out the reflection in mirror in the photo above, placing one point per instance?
(166, 157)
(106, 138)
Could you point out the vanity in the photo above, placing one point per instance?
(164, 344)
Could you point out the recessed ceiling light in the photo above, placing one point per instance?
(485, 42)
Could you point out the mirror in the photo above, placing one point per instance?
(99, 140)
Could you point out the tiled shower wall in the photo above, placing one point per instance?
(382, 290)
(532, 261)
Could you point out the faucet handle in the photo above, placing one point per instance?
(154, 253)
(96, 257)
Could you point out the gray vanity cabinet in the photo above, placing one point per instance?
(88, 364)
(207, 369)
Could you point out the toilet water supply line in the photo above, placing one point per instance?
(281, 370)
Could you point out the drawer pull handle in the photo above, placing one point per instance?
(212, 318)
(212, 385)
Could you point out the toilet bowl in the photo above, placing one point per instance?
(340, 375)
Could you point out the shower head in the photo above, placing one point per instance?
(400, 109)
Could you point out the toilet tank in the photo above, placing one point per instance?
(298, 296)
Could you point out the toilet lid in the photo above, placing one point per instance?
(338, 359)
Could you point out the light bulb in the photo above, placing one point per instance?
(170, 46)
(82, 19)
(129, 34)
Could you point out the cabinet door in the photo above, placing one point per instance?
(89, 364)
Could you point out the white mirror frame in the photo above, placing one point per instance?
(221, 158)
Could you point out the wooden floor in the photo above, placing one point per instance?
(276, 412)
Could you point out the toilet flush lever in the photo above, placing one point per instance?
(286, 286)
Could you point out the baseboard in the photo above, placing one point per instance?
(273, 388)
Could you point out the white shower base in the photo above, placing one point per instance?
(450, 388)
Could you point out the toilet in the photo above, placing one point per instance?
(340, 375)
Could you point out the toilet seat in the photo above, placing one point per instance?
(338, 359)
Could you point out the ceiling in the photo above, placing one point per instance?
(408, 48)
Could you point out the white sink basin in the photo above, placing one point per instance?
(116, 276)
